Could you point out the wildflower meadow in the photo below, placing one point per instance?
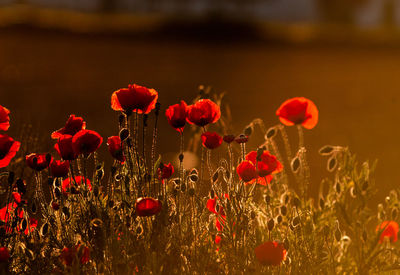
(243, 210)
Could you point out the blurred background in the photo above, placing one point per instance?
(59, 57)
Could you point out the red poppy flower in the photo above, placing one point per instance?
(74, 125)
(69, 182)
(229, 138)
(176, 115)
(8, 211)
(389, 229)
(8, 149)
(146, 207)
(247, 171)
(32, 225)
(267, 165)
(4, 254)
(38, 162)
(270, 253)
(64, 148)
(212, 203)
(68, 255)
(166, 171)
(298, 110)
(16, 197)
(86, 142)
(4, 118)
(211, 140)
(59, 168)
(115, 148)
(135, 98)
(203, 112)
(242, 139)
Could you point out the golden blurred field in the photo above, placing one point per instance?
(47, 74)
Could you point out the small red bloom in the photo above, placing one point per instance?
(74, 125)
(176, 115)
(38, 162)
(68, 255)
(8, 149)
(389, 229)
(267, 165)
(59, 168)
(211, 140)
(4, 254)
(246, 171)
(270, 253)
(135, 98)
(298, 110)
(16, 197)
(203, 112)
(146, 207)
(242, 139)
(229, 138)
(86, 142)
(64, 148)
(115, 148)
(68, 183)
(32, 225)
(4, 118)
(166, 171)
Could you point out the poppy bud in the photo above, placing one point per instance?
(326, 150)
(181, 157)
(253, 215)
(270, 133)
(295, 164)
(212, 194)
(296, 221)
(248, 131)
(267, 199)
(279, 219)
(271, 224)
(123, 134)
